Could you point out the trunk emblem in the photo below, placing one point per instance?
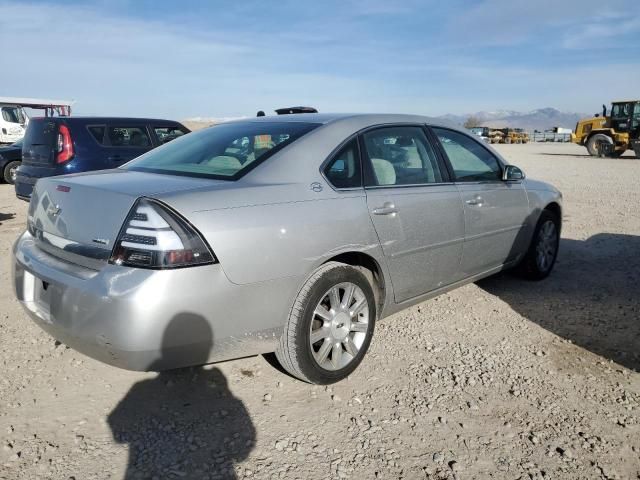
(100, 241)
(53, 210)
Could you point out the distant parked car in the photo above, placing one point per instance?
(293, 233)
(10, 158)
(61, 145)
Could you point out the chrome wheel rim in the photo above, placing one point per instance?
(547, 245)
(339, 326)
(13, 173)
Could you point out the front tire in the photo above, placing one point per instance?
(330, 325)
(594, 141)
(543, 251)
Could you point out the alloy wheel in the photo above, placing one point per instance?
(339, 326)
(13, 173)
(547, 245)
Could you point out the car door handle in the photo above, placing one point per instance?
(387, 209)
(477, 201)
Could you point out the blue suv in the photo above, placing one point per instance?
(62, 145)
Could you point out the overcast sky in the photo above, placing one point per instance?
(180, 59)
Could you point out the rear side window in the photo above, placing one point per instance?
(401, 156)
(128, 137)
(471, 162)
(343, 171)
(226, 151)
(97, 132)
(166, 134)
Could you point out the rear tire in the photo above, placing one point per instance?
(9, 171)
(543, 251)
(336, 307)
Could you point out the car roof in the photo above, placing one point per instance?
(327, 118)
(87, 119)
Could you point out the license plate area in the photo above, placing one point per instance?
(38, 294)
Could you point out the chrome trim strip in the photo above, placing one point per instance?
(424, 248)
(89, 256)
(495, 232)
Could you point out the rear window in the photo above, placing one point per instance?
(225, 151)
(41, 131)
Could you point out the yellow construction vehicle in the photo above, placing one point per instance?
(515, 135)
(508, 135)
(610, 135)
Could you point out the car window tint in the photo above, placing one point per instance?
(224, 151)
(401, 156)
(136, 137)
(97, 131)
(343, 171)
(166, 134)
(471, 162)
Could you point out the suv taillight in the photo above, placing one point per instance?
(153, 236)
(64, 152)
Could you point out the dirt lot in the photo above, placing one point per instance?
(500, 379)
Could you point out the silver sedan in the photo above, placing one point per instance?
(292, 234)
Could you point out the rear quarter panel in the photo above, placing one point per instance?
(273, 239)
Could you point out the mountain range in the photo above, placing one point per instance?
(540, 119)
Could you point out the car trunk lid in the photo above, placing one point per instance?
(78, 217)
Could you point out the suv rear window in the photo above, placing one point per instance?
(41, 131)
(225, 151)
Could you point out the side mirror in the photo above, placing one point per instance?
(511, 173)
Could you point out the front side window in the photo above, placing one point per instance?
(226, 151)
(343, 171)
(471, 162)
(618, 110)
(136, 137)
(13, 115)
(401, 156)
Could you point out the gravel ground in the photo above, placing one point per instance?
(500, 379)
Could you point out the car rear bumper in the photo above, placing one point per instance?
(28, 174)
(149, 319)
(24, 185)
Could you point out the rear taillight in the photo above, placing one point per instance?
(65, 145)
(153, 236)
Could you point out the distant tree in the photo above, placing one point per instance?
(472, 122)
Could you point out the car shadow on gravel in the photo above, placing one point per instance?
(592, 297)
(183, 423)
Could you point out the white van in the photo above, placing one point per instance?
(13, 123)
(14, 119)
